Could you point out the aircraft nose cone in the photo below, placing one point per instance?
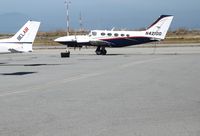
(57, 40)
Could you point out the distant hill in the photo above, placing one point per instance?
(12, 22)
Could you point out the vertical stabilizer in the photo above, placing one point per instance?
(25, 37)
(159, 28)
(27, 33)
(23, 40)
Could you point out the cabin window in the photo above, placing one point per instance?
(127, 35)
(109, 34)
(94, 33)
(116, 34)
(122, 35)
(103, 34)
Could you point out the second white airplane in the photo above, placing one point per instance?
(103, 38)
(22, 41)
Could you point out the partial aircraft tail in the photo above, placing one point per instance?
(26, 35)
(159, 28)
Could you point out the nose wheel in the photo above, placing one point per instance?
(101, 50)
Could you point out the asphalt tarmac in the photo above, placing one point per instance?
(129, 92)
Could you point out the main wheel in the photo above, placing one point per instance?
(98, 52)
(103, 52)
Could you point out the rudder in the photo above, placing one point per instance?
(26, 35)
(159, 28)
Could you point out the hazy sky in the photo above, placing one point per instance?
(105, 14)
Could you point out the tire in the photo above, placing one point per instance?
(98, 52)
(103, 52)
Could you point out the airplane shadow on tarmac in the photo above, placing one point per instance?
(17, 73)
(21, 73)
(28, 65)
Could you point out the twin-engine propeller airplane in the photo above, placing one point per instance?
(103, 38)
(22, 41)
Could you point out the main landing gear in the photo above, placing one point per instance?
(101, 50)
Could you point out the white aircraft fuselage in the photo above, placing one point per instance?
(104, 38)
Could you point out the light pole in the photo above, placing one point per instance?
(81, 22)
(67, 2)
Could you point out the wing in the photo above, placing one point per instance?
(96, 42)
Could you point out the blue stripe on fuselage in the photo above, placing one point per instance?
(127, 41)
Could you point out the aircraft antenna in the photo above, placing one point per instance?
(67, 2)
